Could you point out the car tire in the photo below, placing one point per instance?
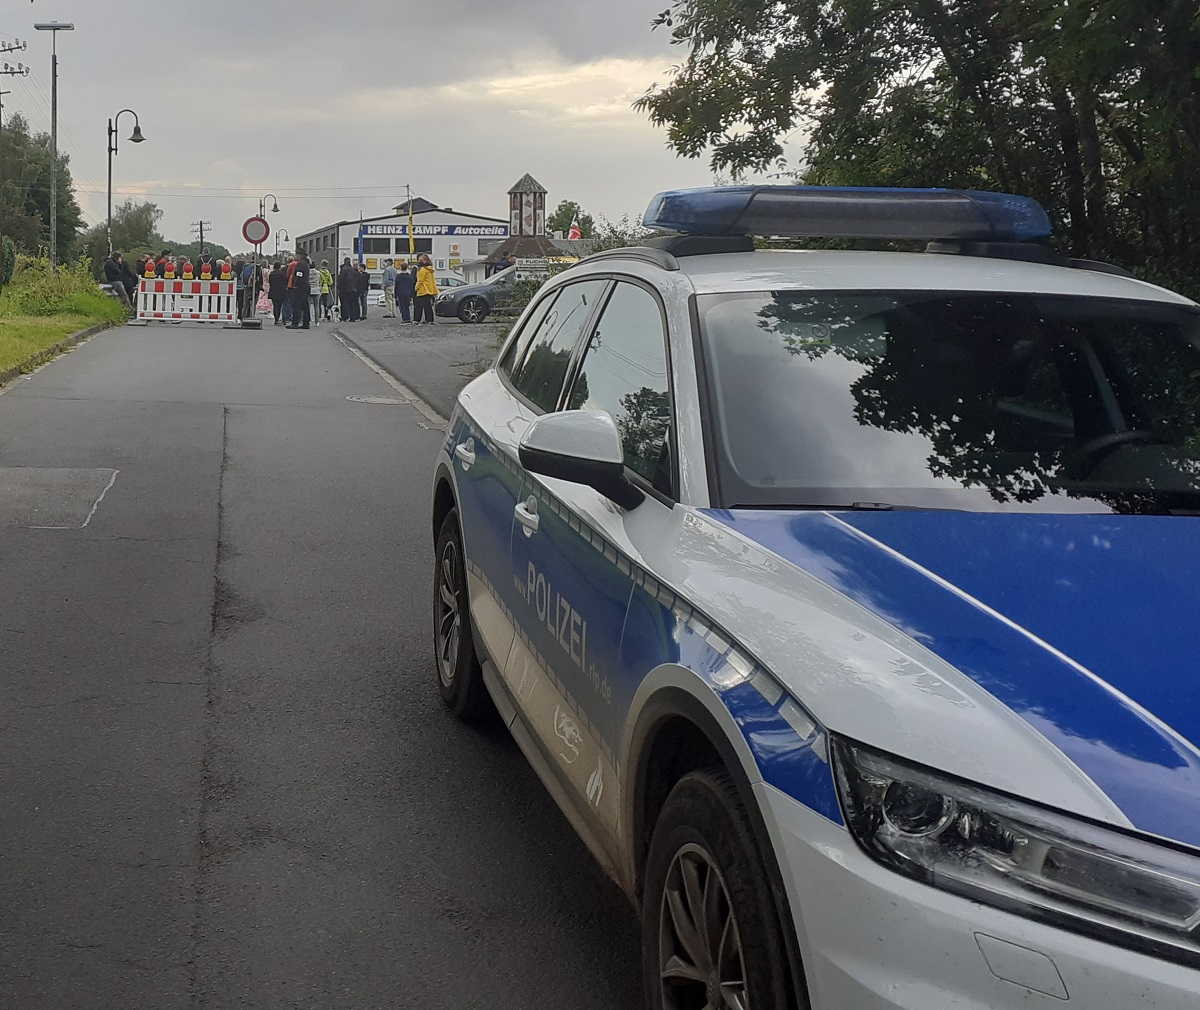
(473, 310)
(703, 855)
(460, 677)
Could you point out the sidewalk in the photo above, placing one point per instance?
(435, 362)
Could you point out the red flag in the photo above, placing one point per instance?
(575, 234)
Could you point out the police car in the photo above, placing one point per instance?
(846, 602)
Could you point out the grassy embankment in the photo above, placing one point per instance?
(39, 309)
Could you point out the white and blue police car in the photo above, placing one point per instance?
(846, 602)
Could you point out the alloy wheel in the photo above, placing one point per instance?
(701, 966)
(449, 617)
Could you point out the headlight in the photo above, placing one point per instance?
(1022, 857)
(444, 298)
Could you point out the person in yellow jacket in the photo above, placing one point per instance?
(427, 290)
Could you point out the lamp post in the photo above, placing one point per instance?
(262, 205)
(284, 233)
(134, 138)
(54, 27)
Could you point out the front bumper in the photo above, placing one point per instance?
(873, 940)
(446, 308)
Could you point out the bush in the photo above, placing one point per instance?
(36, 290)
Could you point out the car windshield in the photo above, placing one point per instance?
(982, 402)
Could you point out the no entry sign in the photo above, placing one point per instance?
(256, 230)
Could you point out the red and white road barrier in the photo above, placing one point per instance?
(188, 301)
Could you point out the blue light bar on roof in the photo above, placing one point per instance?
(850, 212)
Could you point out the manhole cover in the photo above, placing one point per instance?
(394, 401)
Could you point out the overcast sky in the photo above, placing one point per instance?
(334, 105)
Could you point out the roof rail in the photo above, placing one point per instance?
(1028, 252)
(647, 254)
(700, 245)
(1101, 268)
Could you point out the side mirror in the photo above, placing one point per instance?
(584, 447)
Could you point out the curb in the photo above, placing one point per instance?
(418, 399)
(398, 381)
(53, 351)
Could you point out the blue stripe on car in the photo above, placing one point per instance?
(1116, 595)
(656, 634)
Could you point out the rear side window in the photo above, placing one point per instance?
(541, 372)
(516, 348)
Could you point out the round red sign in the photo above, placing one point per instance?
(256, 230)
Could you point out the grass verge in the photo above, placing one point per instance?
(40, 309)
(24, 338)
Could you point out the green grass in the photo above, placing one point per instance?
(23, 338)
(39, 309)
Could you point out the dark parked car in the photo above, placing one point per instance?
(473, 303)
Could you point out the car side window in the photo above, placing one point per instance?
(534, 322)
(624, 371)
(540, 375)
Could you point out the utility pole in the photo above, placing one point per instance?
(7, 70)
(201, 225)
(54, 27)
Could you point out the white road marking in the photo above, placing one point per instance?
(398, 386)
(91, 515)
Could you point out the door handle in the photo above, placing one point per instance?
(465, 451)
(527, 516)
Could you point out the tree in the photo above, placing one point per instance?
(1092, 107)
(25, 193)
(565, 214)
(134, 230)
(625, 231)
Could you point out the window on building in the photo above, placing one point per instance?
(377, 246)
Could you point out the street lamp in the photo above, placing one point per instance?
(283, 232)
(134, 138)
(54, 27)
(262, 205)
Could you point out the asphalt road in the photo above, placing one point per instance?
(226, 779)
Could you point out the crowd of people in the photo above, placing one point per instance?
(297, 293)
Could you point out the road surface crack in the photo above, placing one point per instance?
(208, 786)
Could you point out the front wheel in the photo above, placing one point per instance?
(710, 935)
(473, 310)
(460, 678)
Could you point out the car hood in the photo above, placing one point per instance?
(1083, 626)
